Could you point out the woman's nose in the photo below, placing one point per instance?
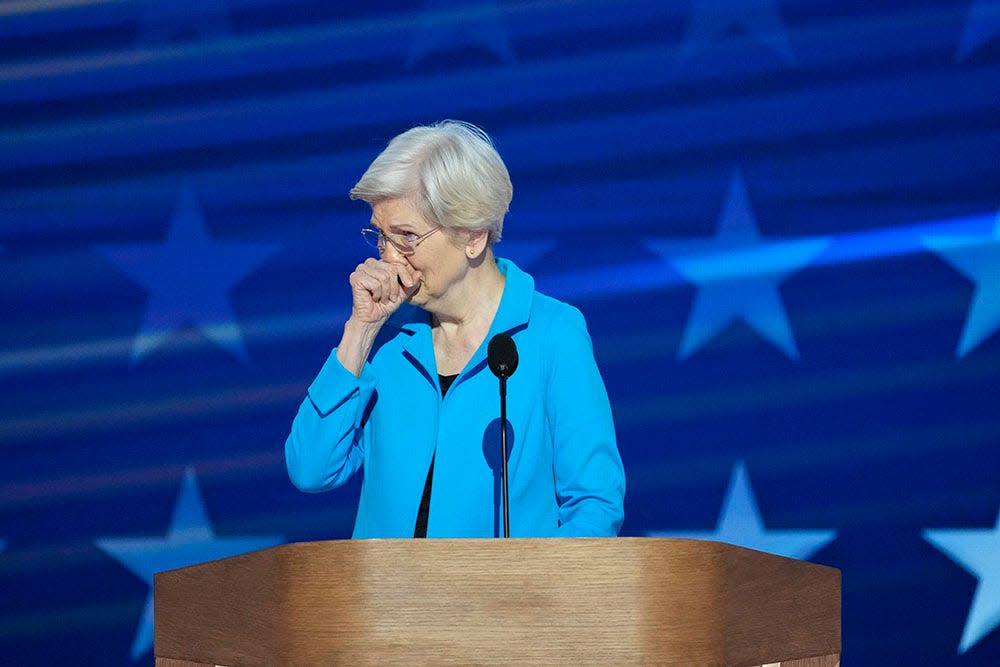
(397, 254)
(389, 252)
(392, 255)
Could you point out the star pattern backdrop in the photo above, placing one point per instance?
(781, 219)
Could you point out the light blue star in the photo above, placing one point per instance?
(189, 541)
(188, 278)
(740, 523)
(978, 259)
(978, 552)
(162, 22)
(760, 18)
(981, 25)
(738, 275)
(449, 23)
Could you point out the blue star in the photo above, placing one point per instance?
(760, 18)
(161, 22)
(738, 275)
(978, 258)
(981, 25)
(449, 23)
(978, 552)
(188, 277)
(189, 541)
(740, 523)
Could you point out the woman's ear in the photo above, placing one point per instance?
(476, 245)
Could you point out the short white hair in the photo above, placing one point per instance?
(450, 170)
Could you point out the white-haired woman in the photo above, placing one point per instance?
(407, 394)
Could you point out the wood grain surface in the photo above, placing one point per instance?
(537, 601)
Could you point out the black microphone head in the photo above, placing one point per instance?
(502, 355)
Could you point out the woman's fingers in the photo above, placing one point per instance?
(370, 286)
(386, 276)
(409, 278)
(379, 287)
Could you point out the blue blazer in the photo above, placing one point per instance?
(565, 473)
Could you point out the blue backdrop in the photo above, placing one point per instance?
(780, 218)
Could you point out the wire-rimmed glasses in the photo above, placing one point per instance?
(405, 243)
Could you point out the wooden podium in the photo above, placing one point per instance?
(481, 601)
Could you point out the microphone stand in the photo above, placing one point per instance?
(503, 456)
(502, 358)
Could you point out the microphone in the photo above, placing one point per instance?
(501, 355)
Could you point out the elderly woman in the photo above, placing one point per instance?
(407, 394)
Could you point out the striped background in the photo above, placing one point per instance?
(866, 128)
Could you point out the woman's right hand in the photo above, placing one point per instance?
(379, 288)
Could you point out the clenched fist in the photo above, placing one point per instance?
(378, 288)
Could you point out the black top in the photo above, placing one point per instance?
(425, 501)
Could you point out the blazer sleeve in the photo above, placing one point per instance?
(589, 476)
(326, 443)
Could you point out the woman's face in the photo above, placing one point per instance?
(441, 261)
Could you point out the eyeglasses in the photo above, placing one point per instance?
(405, 243)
